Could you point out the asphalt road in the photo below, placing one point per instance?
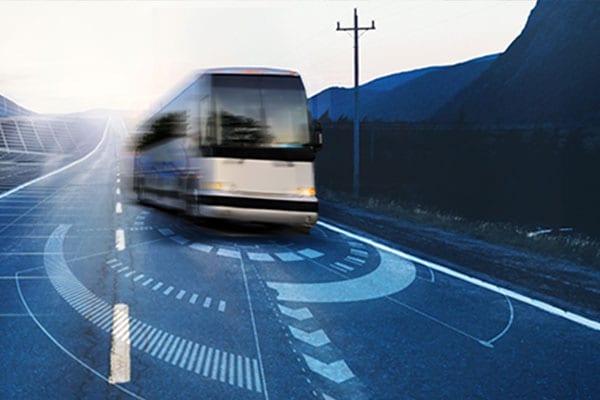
(225, 311)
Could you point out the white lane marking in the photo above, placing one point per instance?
(354, 244)
(327, 397)
(179, 240)
(138, 223)
(208, 359)
(223, 368)
(260, 257)
(391, 276)
(172, 349)
(201, 247)
(157, 286)
(228, 253)
(360, 253)
(222, 306)
(257, 384)
(122, 269)
(231, 369)
(300, 313)
(288, 256)
(256, 342)
(168, 290)
(120, 239)
(200, 360)
(179, 351)
(590, 323)
(508, 324)
(156, 344)
(151, 336)
(120, 360)
(180, 294)
(127, 275)
(317, 338)
(137, 278)
(248, 374)
(116, 265)
(186, 354)
(147, 282)
(165, 347)
(344, 266)
(118, 191)
(193, 298)
(61, 169)
(310, 253)
(112, 260)
(215, 364)
(240, 372)
(355, 260)
(337, 371)
(207, 302)
(118, 208)
(166, 232)
(118, 180)
(193, 357)
(162, 344)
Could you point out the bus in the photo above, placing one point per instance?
(234, 143)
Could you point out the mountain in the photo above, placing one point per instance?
(9, 108)
(550, 73)
(405, 96)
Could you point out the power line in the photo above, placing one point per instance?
(356, 172)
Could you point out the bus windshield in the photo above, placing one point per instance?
(258, 110)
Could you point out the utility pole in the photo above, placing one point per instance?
(356, 174)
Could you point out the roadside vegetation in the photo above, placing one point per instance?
(574, 246)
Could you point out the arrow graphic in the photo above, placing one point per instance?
(337, 371)
(316, 338)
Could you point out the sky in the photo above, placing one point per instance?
(58, 57)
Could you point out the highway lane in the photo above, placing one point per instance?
(224, 311)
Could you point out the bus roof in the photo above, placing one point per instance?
(250, 71)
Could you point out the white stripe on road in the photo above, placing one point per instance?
(180, 294)
(118, 191)
(590, 323)
(288, 256)
(120, 239)
(193, 298)
(310, 253)
(120, 361)
(260, 257)
(118, 208)
(201, 247)
(228, 253)
(222, 306)
(207, 302)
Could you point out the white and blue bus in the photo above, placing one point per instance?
(235, 143)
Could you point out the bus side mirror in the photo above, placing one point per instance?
(317, 135)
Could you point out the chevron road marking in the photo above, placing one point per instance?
(337, 371)
(300, 314)
(316, 339)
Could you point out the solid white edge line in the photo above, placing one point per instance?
(61, 169)
(120, 360)
(589, 323)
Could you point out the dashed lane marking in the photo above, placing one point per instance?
(144, 337)
(222, 306)
(166, 232)
(288, 256)
(310, 253)
(118, 208)
(120, 360)
(120, 239)
(201, 247)
(259, 256)
(179, 240)
(228, 253)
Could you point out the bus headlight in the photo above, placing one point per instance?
(211, 186)
(306, 192)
